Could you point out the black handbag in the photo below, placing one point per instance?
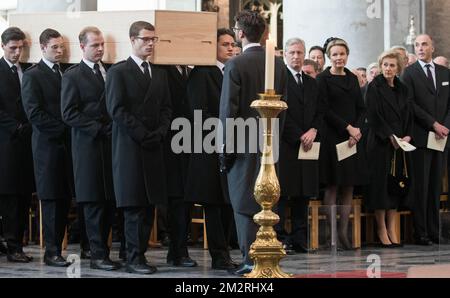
(398, 184)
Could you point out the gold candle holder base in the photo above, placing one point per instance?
(267, 251)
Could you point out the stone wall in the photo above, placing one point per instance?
(438, 24)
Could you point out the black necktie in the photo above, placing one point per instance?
(98, 73)
(299, 80)
(56, 70)
(184, 73)
(15, 74)
(430, 75)
(146, 71)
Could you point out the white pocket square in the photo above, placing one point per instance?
(444, 83)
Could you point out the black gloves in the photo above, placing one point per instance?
(106, 130)
(226, 161)
(23, 130)
(151, 141)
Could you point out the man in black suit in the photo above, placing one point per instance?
(178, 211)
(299, 179)
(243, 80)
(138, 101)
(205, 184)
(16, 161)
(428, 85)
(83, 107)
(41, 92)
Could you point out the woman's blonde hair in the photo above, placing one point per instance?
(393, 55)
(337, 42)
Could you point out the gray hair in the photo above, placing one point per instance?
(293, 41)
(394, 48)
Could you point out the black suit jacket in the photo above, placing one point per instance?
(429, 104)
(83, 107)
(16, 164)
(306, 109)
(243, 81)
(140, 112)
(205, 183)
(41, 92)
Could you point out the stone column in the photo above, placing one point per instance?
(369, 26)
(56, 5)
(438, 22)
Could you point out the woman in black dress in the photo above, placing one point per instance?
(343, 119)
(389, 114)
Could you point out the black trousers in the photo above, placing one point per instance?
(246, 232)
(54, 217)
(84, 240)
(299, 220)
(179, 217)
(14, 211)
(137, 224)
(98, 218)
(218, 226)
(428, 172)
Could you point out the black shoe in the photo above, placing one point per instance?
(140, 269)
(85, 254)
(182, 262)
(300, 248)
(165, 241)
(241, 270)
(223, 264)
(123, 255)
(425, 241)
(56, 261)
(3, 249)
(105, 264)
(18, 257)
(289, 249)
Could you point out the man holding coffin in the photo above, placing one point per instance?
(41, 92)
(138, 101)
(16, 161)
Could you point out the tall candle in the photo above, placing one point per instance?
(270, 64)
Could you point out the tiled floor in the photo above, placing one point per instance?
(392, 260)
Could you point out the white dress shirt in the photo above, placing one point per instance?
(139, 63)
(19, 69)
(91, 65)
(432, 69)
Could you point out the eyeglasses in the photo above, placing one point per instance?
(148, 39)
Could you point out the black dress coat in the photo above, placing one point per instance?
(140, 112)
(306, 107)
(243, 81)
(205, 183)
(389, 113)
(345, 106)
(41, 93)
(176, 163)
(83, 108)
(16, 160)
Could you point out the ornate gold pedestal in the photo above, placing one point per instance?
(267, 251)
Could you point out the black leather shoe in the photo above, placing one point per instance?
(56, 261)
(3, 249)
(105, 264)
(18, 257)
(423, 241)
(182, 262)
(140, 269)
(223, 264)
(241, 270)
(123, 255)
(85, 254)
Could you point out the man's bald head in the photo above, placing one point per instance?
(441, 60)
(424, 47)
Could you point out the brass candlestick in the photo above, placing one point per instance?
(267, 251)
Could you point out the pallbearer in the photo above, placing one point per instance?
(138, 100)
(83, 107)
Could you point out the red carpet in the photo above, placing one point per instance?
(351, 274)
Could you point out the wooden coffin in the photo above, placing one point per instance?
(188, 38)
